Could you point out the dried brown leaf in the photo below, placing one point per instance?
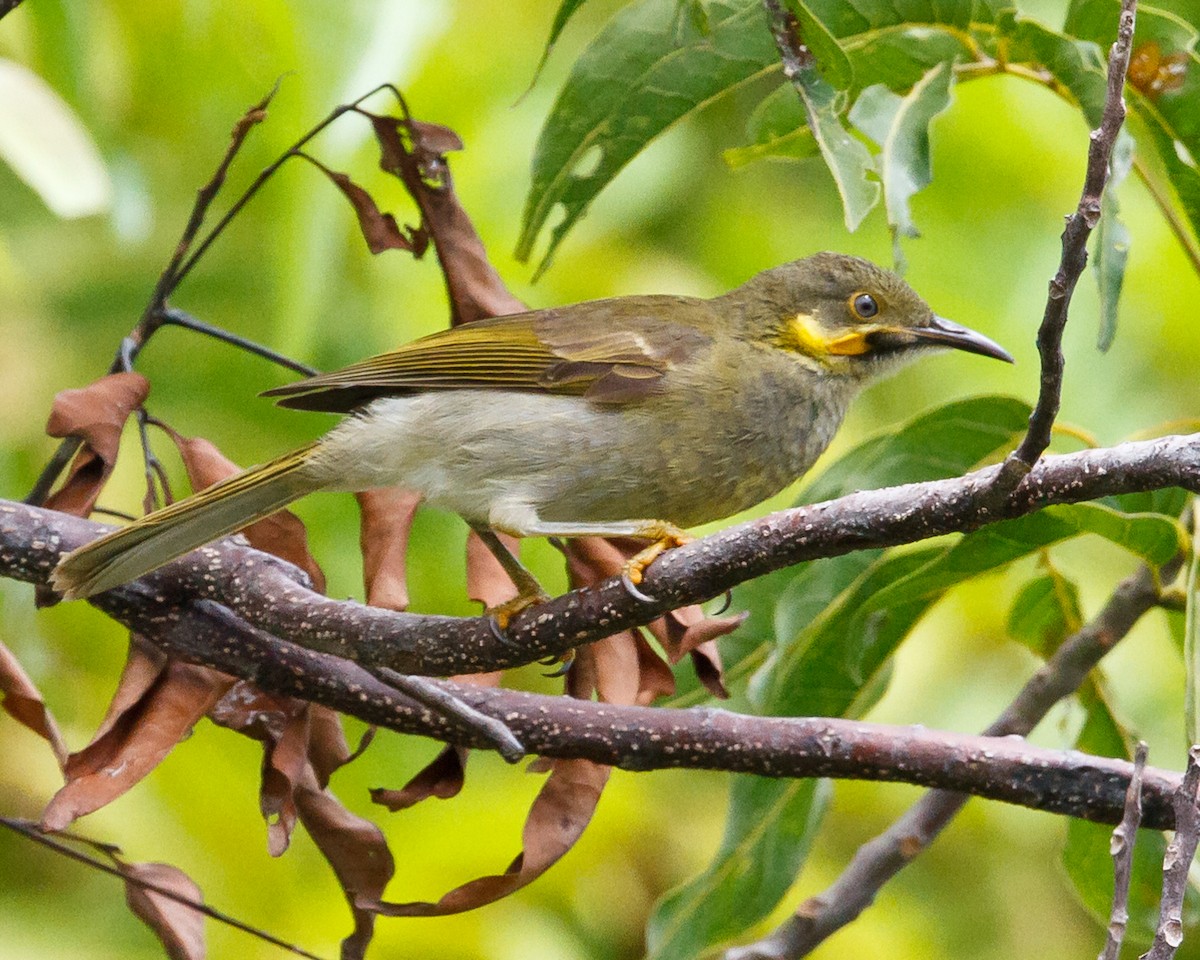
(282, 533)
(487, 583)
(133, 740)
(179, 927)
(556, 820)
(475, 288)
(385, 524)
(96, 414)
(281, 725)
(22, 701)
(358, 853)
(379, 229)
(442, 777)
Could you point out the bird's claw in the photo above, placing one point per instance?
(501, 615)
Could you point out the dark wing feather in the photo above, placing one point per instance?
(611, 351)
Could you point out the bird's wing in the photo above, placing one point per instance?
(610, 351)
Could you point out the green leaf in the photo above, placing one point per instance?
(566, 10)
(648, 68)
(848, 158)
(832, 61)
(1046, 611)
(750, 871)
(1111, 245)
(900, 125)
(776, 128)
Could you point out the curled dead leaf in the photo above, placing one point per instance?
(143, 725)
(179, 927)
(556, 820)
(96, 414)
(22, 701)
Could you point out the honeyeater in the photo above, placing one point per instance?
(634, 416)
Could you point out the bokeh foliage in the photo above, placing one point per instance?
(157, 87)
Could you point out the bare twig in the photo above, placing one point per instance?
(32, 832)
(1074, 258)
(1123, 839)
(1177, 861)
(877, 861)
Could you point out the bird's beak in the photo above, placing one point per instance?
(945, 333)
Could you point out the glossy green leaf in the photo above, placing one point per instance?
(650, 66)
(900, 125)
(1111, 245)
(1045, 612)
(750, 871)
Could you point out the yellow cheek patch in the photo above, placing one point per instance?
(805, 335)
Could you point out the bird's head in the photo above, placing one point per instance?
(845, 316)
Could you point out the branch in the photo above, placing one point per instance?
(880, 859)
(264, 590)
(1122, 853)
(1177, 862)
(650, 738)
(1074, 254)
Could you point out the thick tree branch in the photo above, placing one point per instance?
(264, 590)
(649, 738)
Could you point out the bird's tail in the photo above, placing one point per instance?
(160, 537)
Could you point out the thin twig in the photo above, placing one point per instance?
(1074, 257)
(31, 831)
(173, 316)
(1177, 861)
(1123, 839)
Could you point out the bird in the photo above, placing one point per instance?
(635, 416)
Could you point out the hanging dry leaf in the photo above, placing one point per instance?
(386, 521)
(358, 853)
(379, 229)
(22, 701)
(556, 820)
(179, 927)
(135, 738)
(96, 414)
(282, 533)
(475, 288)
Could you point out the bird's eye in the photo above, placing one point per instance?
(865, 306)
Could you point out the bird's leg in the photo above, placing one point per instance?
(529, 591)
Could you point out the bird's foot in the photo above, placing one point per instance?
(503, 613)
(665, 536)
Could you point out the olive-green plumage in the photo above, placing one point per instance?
(608, 417)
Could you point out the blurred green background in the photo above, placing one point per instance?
(158, 86)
